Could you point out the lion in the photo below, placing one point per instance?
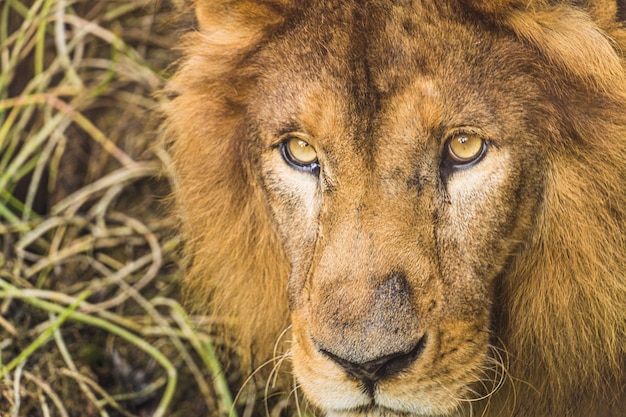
(422, 201)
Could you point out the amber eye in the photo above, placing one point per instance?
(465, 148)
(300, 154)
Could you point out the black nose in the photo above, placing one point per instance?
(383, 367)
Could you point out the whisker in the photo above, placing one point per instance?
(492, 378)
(272, 378)
(276, 362)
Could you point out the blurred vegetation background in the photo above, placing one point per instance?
(90, 321)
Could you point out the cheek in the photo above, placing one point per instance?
(479, 195)
(293, 198)
(485, 217)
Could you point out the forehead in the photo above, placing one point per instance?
(345, 68)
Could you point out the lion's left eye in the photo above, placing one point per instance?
(300, 155)
(464, 149)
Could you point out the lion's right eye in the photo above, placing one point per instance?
(465, 149)
(300, 155)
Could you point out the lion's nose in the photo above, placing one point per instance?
(371, 332)
(380, 368)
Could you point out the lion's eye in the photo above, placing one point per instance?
(300, 154)
(465, 148)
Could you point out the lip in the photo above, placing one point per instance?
(372, 410)
(380, 404)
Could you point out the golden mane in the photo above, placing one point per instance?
(236, 266)
(566, 291)
(561, 305)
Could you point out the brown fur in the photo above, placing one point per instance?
(514, 265)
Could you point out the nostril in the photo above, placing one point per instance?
(383, 367)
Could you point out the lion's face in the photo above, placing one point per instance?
(431, 194)
(402, 172)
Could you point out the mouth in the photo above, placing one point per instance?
(375, 401)
(374, 410)
(429, 375)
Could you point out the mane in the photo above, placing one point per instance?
(560, 306)
(236, 267)
(562, 303)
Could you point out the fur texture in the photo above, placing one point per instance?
(503, 278)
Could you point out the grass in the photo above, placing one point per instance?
(90, 322)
